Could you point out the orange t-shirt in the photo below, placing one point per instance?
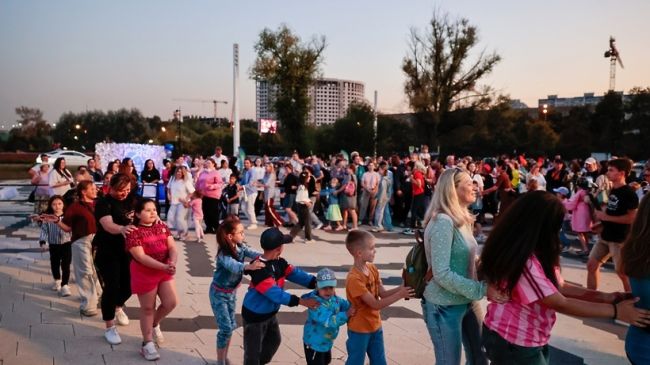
(366, 320)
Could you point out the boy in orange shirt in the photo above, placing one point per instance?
(366, 293)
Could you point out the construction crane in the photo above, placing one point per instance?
(214, 102)
(614, 56)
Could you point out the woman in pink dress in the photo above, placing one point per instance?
(581, 212)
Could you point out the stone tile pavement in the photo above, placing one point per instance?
(38, 327)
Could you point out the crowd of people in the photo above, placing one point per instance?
(111, 232)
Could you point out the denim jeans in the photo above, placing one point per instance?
(223, 308)
(360, 344)
(637, 345)
(502, 352)
(452, 327)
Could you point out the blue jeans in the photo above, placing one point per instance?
(360, 344)
(452, 327)
(637, 345)
(223, 308)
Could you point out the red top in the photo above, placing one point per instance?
(152, 239)
(81, 218)
(418, 190)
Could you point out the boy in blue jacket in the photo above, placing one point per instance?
(265, 295)
(323, 323)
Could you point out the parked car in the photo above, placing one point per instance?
(72, 158)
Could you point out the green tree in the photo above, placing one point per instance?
(607, 124)
(439, 73)
(354, 132)
(32, 133)
(292, 66)
(636, 133)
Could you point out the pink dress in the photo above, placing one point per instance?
(153, 240)
(197, 209)
(580, 212)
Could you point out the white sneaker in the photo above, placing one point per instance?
(149, 351)
(121, 318)
(319, 226)
(158, 335)
(310, 241)
(65, 291)
(56, 286)
(252, 226)
(112, 336)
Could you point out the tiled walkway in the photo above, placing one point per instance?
(38, 327)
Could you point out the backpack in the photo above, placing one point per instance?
(416, 269)
(350, 189)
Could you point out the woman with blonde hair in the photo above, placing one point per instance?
(449, 304)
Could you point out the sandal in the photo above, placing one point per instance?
(340, 228)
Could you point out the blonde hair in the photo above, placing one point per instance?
(419, 166)
(445, 199)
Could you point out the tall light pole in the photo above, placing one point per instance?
(178, 116)
(374, 127)
(235, 100)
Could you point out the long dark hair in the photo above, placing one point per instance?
(635, 254)
(57, 167)
(228, 226)
(49, 209)
(529, 227)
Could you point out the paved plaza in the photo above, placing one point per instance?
(38, 327)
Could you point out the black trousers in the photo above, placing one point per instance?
(304, 221)
(60, 259)
(317, 358)
(113, 267)
(210, 214)
(261, 341)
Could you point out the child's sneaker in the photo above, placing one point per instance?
(310, 241)
(56, 286)
(121, 318)
(65, 291)
(149, 351)
(158, 335)
(112, 336)
(252, 226)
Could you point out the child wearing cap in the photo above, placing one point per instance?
(265, 295)
(366, 293)
(323, 323)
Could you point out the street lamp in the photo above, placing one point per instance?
(545, 110)
(178, 116)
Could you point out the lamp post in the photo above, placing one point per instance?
(545, 110)
(178, 116)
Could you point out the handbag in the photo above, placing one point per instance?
(32, 196)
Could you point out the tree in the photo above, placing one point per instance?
(32, 133)
(292, 66)
(636, 133)
(438, 71)
(607, 124)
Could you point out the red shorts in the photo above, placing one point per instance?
(145, 279)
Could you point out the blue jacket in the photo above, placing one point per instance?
(323, 323)
(229, 271)
(266, 291)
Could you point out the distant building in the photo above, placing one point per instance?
(329, 99)
(564, 105)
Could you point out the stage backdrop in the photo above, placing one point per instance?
(139, 153)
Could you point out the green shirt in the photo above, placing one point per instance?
(450, 256)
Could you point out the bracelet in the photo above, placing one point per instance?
(615, 312)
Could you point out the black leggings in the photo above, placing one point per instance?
(115, 272)
(60, 259)
(210, 208)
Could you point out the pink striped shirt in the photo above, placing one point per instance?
(524, 320)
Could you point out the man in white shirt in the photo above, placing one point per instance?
(218, 157)
(369, 188)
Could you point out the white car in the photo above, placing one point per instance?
(72, 158)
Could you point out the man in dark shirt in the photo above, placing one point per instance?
(616, 219)
(557, 176)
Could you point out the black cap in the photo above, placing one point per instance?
(273, 238)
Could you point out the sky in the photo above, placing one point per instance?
(72, 56)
